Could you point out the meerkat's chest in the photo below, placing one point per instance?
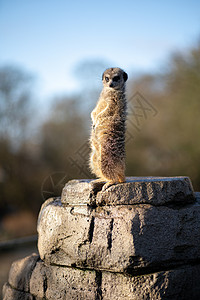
(107, 108)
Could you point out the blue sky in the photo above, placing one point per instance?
(51, 37)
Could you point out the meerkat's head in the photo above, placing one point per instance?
(114, 78)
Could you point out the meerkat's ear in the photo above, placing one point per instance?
(103, 75)
(125, 76)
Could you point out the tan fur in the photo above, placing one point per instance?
(107, 159)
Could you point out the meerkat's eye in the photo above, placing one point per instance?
(106, 79)
(116, 78)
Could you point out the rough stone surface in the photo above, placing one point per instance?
(123, 238)
(136, 190)
(178, 284)
(18, 286)
(136, 240)
(54, 282)
(63, 283)
(10, 293)
(25, 267)
(50, 282)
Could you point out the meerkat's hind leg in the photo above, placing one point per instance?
(110, 183)
(100, 185)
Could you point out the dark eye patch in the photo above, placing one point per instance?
(106, 79)
(116, 78)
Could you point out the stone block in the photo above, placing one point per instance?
(122, 238)
(39, 281)
(55, 282)
(20, 272)
(64, 283)
(60, 227)
(136, 240)
(136, 190)
(10, 293)
(181, 283)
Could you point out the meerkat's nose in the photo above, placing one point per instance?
(111, 84)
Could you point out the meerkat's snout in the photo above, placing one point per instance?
(114, 78)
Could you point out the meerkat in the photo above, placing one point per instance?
(107, 140)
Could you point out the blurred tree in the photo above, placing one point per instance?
(15, 104)
(168, 144)
(62, 136)
(63, 132)
(16, 163)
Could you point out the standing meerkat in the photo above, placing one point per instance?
(107, 159)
